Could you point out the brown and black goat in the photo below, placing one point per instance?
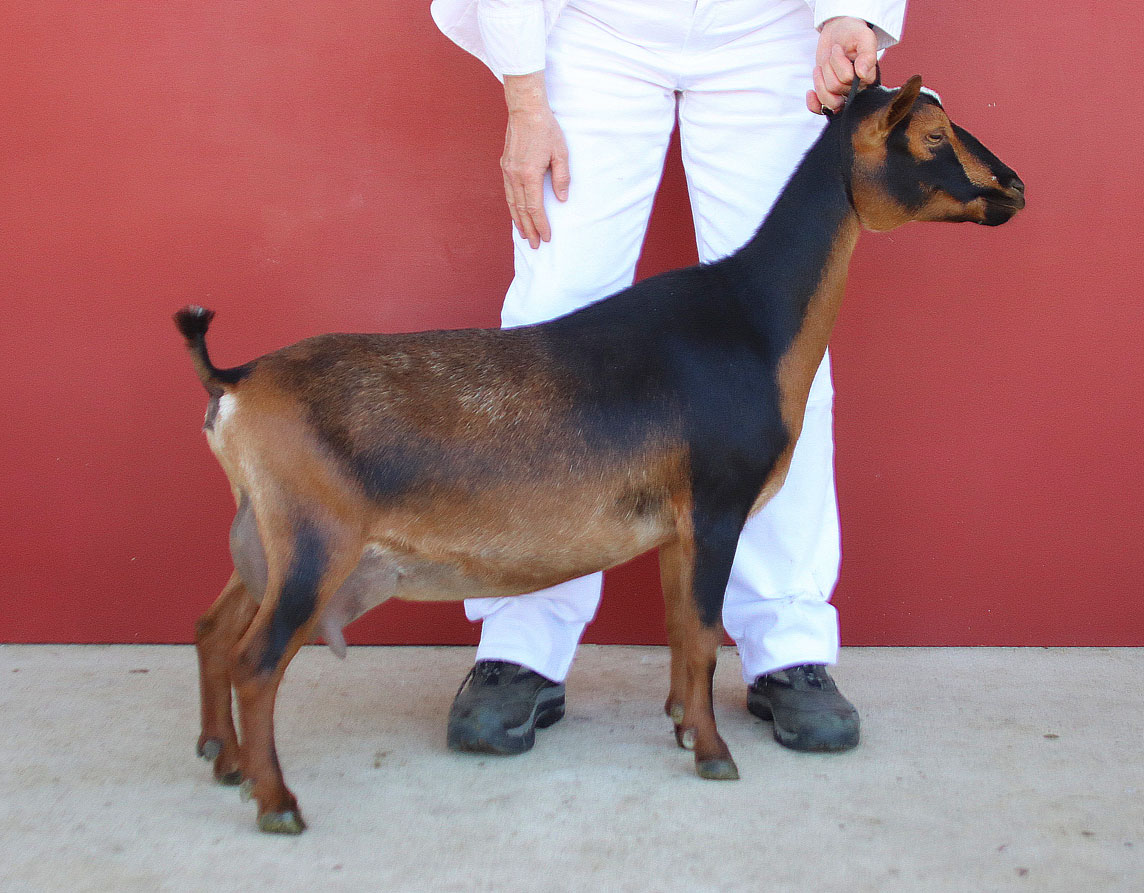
(459, 464)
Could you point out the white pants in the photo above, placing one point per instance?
(736, 73)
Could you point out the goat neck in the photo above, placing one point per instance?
(791, 275)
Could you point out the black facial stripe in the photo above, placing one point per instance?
(946, 168)
(996, 166)
(903, 181)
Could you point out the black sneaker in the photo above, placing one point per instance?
(809, 712)
(499, 707)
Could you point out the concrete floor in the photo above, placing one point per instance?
(980, 769)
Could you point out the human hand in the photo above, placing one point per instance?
(847, 48)
(533, 144)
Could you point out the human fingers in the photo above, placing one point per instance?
(520, 166)
(534, 144)
(534, 186)
(812, 102)
(838, 71)
(514, 191)
(561, 176)
(825, 99)
(866, 65)
(533, 207)
(847, 49)
(519, 220)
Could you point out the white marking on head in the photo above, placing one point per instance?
(933, 94)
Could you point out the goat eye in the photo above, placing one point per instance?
(935, 138)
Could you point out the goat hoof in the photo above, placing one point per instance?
(230, 779)
(246, 790)
(289, 822)
(676, 714)
(717, 769)
(687, 739)
(209, 749)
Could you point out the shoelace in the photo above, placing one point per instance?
(810, 672)
(812, 675)
(488, 670)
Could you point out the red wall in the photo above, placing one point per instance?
(305, 167)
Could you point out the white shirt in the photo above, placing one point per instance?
(510, 36)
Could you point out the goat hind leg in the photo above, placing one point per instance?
(305, 568)
(216, 634)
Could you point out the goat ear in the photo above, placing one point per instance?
(904, 101)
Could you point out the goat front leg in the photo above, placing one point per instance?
(694, 573)
(216, 634)
(674, 571)
(304, 570)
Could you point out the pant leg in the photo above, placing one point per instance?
(617, 113)
(744, 127)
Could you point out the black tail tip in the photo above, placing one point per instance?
(193, 321)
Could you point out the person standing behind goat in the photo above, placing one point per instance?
(593, 90)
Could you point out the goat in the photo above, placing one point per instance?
(457, 464)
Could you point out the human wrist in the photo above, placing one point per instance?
(885, 17)
(525, 94)
(842, 20)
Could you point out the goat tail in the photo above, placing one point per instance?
(192, 322)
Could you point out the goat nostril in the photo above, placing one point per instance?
(1017, 185)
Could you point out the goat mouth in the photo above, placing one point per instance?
(1014, 200)
(998, 210)
(1009, 198)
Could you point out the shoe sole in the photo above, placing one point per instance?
(471, 735)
